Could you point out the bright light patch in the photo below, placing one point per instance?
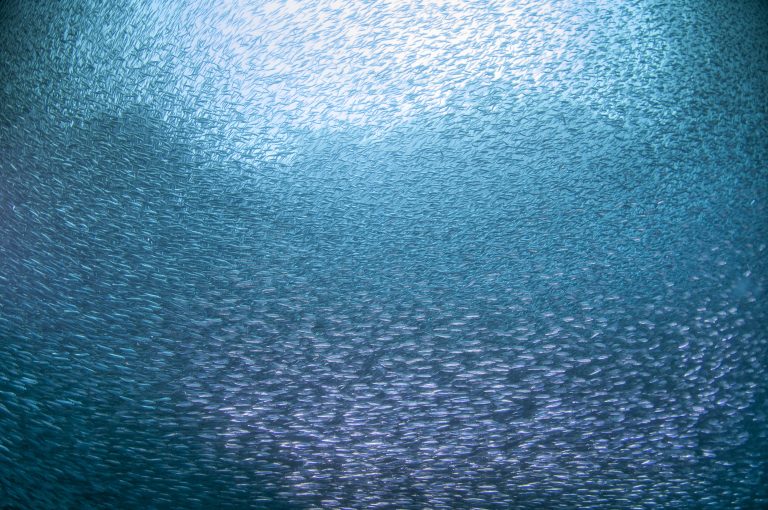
(335, 64)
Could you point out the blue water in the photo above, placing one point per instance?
(384, 255)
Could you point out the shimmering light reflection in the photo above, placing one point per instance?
(335, 64)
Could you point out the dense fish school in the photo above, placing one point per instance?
(384, 254)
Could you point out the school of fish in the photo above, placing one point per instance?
(428, 254)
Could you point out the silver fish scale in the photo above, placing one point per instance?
(438, 254)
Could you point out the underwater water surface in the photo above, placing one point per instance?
(379, 254)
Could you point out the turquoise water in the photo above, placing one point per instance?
(387, 254)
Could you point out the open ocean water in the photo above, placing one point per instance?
(384, 254)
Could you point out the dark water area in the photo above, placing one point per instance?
(384, 255)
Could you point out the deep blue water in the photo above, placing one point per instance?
(384, 255)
